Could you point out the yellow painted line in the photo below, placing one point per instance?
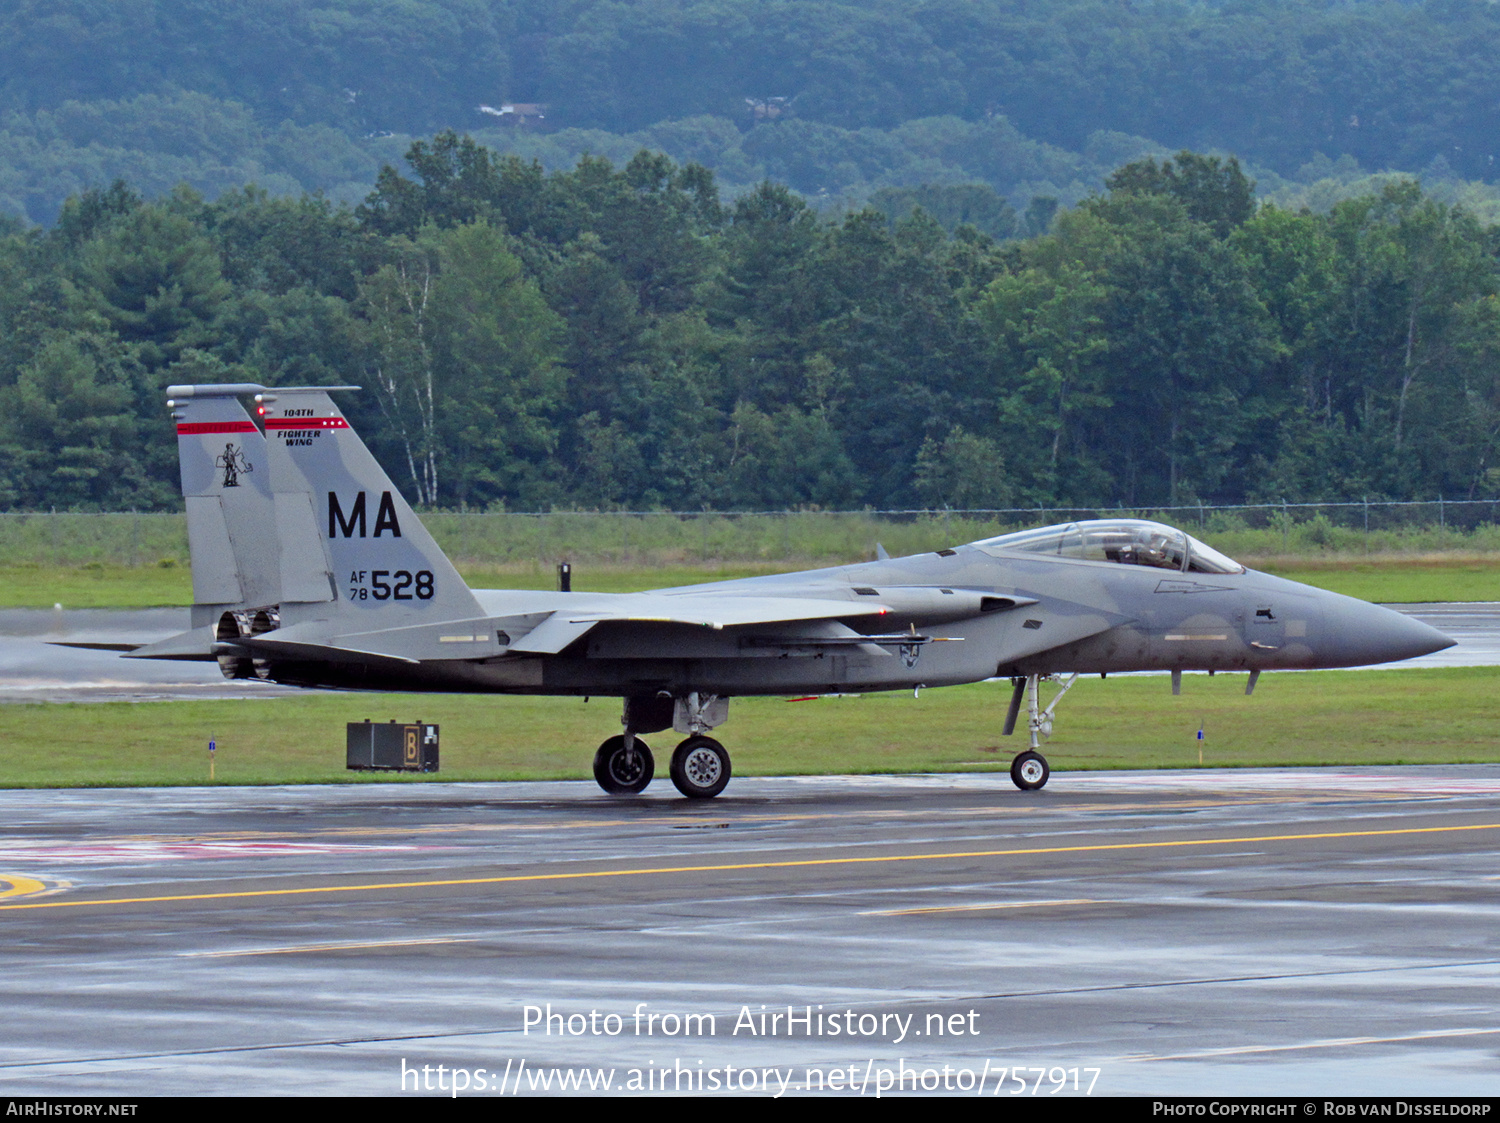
(1328, 1043)
(298, 949)
(983, 908)
(19, 886)
(874, 859)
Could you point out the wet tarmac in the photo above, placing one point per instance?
(32, 669)
(1242, 932)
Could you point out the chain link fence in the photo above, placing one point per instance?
(667, 537)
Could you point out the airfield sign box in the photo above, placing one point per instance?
(391, 747)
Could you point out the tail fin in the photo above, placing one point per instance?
(226, 484)
(345, 532)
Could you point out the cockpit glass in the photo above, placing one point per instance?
(1124, 541)
(1205, 559)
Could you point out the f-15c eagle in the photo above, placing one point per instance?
(310, 569)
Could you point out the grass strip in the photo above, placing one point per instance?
(1416, 716)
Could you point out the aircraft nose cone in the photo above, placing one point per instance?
(1363, 633)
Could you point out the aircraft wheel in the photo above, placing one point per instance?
(700, 768)
(622, 773)
(1029, 771)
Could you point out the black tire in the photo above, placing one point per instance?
(1029, 771)
(621, 773)
(700, 768)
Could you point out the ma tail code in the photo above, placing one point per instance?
(354, 525)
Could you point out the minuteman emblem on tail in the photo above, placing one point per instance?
(234, 464)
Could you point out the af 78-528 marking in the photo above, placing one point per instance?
(287, 586)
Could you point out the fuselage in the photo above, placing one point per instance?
(1046, 614)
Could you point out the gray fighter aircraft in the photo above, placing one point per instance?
(310, 569)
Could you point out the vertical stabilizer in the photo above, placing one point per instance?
(226, 484)
(346, 533)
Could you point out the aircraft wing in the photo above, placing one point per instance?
(536, 633)
(563, 627)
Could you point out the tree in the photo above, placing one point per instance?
(69, 435)
(155, 280)
(1047, 328)
(769, 293)
(459, 183)
(1189, 339)
(973, 204)
(1213, 191)
(786, 459)
(962, 471)
(462, 350)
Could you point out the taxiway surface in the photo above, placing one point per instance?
(1270, 932)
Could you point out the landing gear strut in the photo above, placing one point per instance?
(1029, 770)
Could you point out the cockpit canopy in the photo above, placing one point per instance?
(1126, 541)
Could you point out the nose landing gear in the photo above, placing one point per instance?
(1029, 770)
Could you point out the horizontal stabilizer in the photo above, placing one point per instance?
(192, 646)
(299, 650)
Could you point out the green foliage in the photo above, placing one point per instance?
(962, 471)
(970, 204)
(614, 336)
(68, 430)
(155, 282)
(160, 139)
(1046, 323)
(460, 347)
(836, 98)
(1212, 191)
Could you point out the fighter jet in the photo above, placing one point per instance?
(310, 569)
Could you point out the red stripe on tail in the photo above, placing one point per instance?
(197, 428)
(274, 424)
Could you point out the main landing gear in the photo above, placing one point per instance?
(1029, 770)
(700, 766)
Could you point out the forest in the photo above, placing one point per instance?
(835, 98)
(627, 336)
